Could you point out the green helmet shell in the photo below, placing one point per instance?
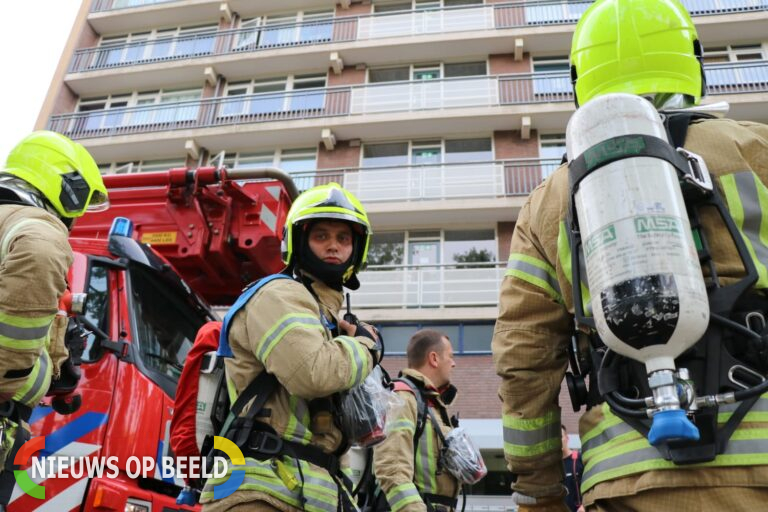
(637, 47)
(327, 202)
(62, 170)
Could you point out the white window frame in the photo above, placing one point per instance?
(414, 235)
(412, 68)
(137, 166)
(154, 36)
(418, 5)
(733, 52)
(288, 81)
(425, 143)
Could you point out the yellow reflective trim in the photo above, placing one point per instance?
(512, 422)
(26, 322)
(532, 450)
(535, 281)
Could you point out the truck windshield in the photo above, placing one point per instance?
(165, 326)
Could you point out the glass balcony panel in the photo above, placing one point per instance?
(201, 45)
(266, 104)
(161, 49)
(316, 32)
(437, 286)
(308, 101)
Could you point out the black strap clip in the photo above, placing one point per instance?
(265, 443)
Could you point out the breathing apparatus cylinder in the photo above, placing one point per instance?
(647, 291)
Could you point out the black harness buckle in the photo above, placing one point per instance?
(265, 443)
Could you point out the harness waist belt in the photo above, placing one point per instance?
(265, 445)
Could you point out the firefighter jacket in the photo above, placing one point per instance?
(404, 476)
(287, 331)
(536, 321)
(35, 256)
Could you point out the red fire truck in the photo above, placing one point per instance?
(198, 237)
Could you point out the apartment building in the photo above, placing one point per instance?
(440, 115)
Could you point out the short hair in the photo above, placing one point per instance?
(422, 343)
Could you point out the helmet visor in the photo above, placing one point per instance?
(99, 202)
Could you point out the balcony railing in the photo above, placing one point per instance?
(113, 5)
(348, 101)
(435, 181)
(313, 103)
(352, 28)
(410, 286)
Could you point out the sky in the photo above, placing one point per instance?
(33, 36)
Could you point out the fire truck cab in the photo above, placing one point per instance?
(196, 237)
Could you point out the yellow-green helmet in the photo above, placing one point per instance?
(62, 170)
(327, 202)
(640, 47)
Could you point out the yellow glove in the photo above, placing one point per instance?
(541, 504)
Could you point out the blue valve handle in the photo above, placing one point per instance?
(187, 497)
(672, 425)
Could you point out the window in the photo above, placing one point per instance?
(470, 246)
(465, 69)
(468, 150)
(551, 151)
(420, 5)
(399, 6)
(466, 338)
(142, 166)
(96, 309)
(427, 72)
(156, 45)
(110, 111)
(719, 75)
(393, 154)
(165, 327)
(286, 29)
(554, 75)
(386, 249)
(270, 95)
(300, 163)
(455, 246)
(389, 154)
(389, 75)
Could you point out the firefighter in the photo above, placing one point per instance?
(648, 48)
(291, 329)
(407, 464)
(48, 181)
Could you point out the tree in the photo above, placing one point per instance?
(473, 255)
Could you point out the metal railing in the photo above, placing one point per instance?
(352, 28)
(462, 180)
(114, 5)
(454, 284)
(413, 96)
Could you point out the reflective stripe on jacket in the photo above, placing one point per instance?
(535, 326)
(404, 476)
(35, 255)
(282, 329)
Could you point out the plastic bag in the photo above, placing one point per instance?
(366, 408)
(462, 459)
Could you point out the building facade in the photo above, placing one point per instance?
(440, 115)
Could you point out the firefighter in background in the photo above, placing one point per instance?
(647, 48)
(48, 181)
(292, 329)
(407, 467)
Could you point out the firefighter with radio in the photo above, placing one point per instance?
(658, 254)
(288, 341)
(48, 181)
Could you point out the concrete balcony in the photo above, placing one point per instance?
(475, 192)
(430, 286)
(374, 111)
(423, 35)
